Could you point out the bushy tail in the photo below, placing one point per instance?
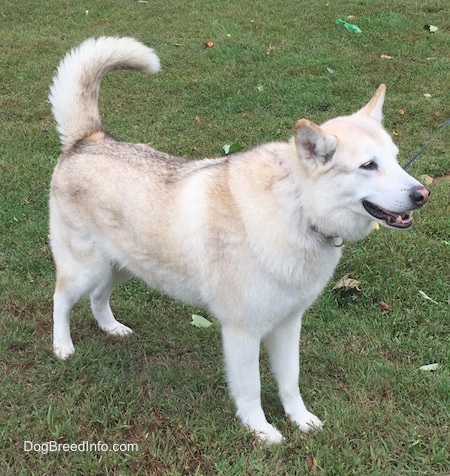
(75, 89)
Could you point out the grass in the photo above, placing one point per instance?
(163, 388)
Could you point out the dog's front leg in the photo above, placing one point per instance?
(283, 347)
(241, 350)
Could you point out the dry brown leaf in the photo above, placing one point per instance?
(208, 44)
(387, 57)
(311, 462)
(384, 306)
(426, 179)
(347, 283)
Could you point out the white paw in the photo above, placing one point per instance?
(63, 351)
(269, 434)
(264, 431)
(117, 329)
(307, 422)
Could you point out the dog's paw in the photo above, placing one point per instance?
(63, 351)
(269, 435)
(117, 329)
(307, 422)
(262, 429)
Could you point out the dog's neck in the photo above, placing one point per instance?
(336, 241)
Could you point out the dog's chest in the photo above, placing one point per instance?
(304, 274)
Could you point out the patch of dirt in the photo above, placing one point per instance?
(440, 178)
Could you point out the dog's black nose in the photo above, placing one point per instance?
(419, 195)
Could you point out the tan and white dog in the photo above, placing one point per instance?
(254, 237)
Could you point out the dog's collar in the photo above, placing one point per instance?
(336, 241)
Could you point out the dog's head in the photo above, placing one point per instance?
(354, 176)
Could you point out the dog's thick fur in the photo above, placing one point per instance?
(253, 237)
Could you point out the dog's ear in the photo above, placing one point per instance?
(374, 108)
(313, 143)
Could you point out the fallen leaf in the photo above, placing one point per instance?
(208, 44)
(197, 119)
(427, 297)
(431, 28)
(376, 225)
(429, 367)
(415, 447)
(178, 44)
(200, 321)
(270, 49)
(349, 26)
(232, 148)
(331, 71)
(401, 111)
(428, 95)
(395, 132)
(347, 283)
(387, 57)
(384, 306)
(426, 179)
(352, 18)
(310, 462)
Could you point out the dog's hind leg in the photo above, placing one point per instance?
(96, 279)
(283, 347)
(100, 303)
(73, 281)
(241, 351)
(63, 301)
(82, 269)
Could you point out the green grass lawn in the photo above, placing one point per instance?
(160, 394)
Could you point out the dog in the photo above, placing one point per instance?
(254, 236)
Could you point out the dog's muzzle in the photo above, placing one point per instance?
(398, 219)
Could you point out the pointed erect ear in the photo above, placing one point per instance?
(313, 143)
(374, 108)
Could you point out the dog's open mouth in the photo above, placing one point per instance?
(392, 219)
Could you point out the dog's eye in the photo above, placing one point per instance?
(371, 165)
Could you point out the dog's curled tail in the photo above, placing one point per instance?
(75, 89)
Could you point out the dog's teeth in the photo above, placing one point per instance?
(399, 219)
